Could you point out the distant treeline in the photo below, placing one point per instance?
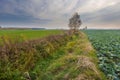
(22, 28)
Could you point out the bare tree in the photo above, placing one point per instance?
(75, 22)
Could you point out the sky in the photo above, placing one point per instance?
(95, 14)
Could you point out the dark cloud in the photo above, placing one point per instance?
(109, 15)
(57, 12)
(21, 19)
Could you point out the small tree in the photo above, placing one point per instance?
(75, 22)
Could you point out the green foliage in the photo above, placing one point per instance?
(49, 59)
(64, 66)
(70, 46)
(21, 56)
(107, 44)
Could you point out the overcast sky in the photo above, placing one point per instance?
(56, 13)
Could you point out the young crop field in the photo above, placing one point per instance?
(107, 45)
(25, 34)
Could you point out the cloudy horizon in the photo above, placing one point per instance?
(95, 14)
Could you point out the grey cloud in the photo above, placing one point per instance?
(107, 15)
(57, 12)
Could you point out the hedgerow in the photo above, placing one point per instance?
(20, 57)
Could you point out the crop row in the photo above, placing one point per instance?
(107, 44)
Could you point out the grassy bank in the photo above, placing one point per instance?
(75, 61)
(58, 57)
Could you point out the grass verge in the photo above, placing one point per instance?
(59, 57)
(74, 61)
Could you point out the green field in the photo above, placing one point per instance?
(26, 34)
(57, 57)
(77, 56)
(107, 44)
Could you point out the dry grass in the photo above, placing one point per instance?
(82, 77)
(23, 56)
(85, 63)
(82, 64)
(79, 65)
